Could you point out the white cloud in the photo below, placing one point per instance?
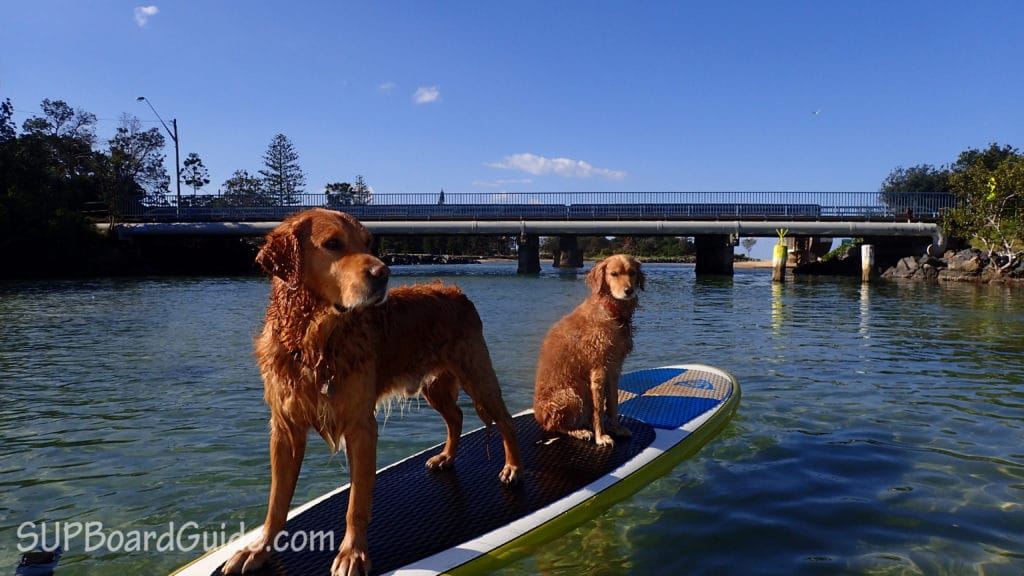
(501, 182)
(144, 13)
(386, 87)
(427, 94)
(564, 167)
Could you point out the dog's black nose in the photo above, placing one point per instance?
(630, 291)
(378, 277)
(379, 271)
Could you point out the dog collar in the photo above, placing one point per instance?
(612, 306)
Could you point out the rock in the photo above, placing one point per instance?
(964, 261)
(927, 271)
(906, 265)
(1017, 271)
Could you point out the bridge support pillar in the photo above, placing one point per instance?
(568, 254)
(807, 249)
(529, 254)
(714, 254)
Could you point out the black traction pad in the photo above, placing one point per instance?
(419, 512)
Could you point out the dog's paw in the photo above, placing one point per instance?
(351, 562)
(245, 560)
(441, 462)
(509, 475)
(582, 434)
(604, 440)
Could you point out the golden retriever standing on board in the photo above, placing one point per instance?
(335, 342)
(581, 358)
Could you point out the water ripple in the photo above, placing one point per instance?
(880, 429)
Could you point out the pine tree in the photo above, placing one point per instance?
(282, 178)
(195, 174)
(361, 192)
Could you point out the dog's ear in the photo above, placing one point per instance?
(281, 255)
(595, 278)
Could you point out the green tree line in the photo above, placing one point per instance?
(56, 179)
(593, 247)
(56, 176)
(53, 176)
(988, 185)
(596, 247)
(447, 245)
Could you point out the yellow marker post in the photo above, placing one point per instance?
(780, 253)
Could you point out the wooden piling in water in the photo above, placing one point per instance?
(779, 256)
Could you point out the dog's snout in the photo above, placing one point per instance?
(378, 274)
(379, 271)
(630, 291)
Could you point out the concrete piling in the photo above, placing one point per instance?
(714, 254)
(529, 254)
(867, 263)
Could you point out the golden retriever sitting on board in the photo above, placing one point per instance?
(334, 343)
(577, 384)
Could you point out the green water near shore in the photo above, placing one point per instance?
(880, 431)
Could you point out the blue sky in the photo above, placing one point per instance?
(539, 96)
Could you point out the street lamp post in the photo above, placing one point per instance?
(174, 138)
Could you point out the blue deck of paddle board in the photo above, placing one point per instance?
(666, 412)
(418, 512)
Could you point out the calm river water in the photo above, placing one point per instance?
(881, 429)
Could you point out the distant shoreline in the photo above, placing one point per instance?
(421, 259)
(736, 263)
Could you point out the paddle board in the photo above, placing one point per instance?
(466, 522)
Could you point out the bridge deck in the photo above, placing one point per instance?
(660, 211)
(676, 213)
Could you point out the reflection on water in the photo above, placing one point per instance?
(880, 431)
(865, 309)
(777, 305)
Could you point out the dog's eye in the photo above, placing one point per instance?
(613, 274)
(333, 244)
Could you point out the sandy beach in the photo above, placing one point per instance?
(752, 264)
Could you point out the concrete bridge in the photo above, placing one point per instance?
(715, 220)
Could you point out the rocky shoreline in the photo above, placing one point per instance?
(957, 266)
(966, 265)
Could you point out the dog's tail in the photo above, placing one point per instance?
(481, 383)
(488, 425)
(486, 394)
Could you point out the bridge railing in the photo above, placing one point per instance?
(922, 206)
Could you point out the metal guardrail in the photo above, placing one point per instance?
(917, 206)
